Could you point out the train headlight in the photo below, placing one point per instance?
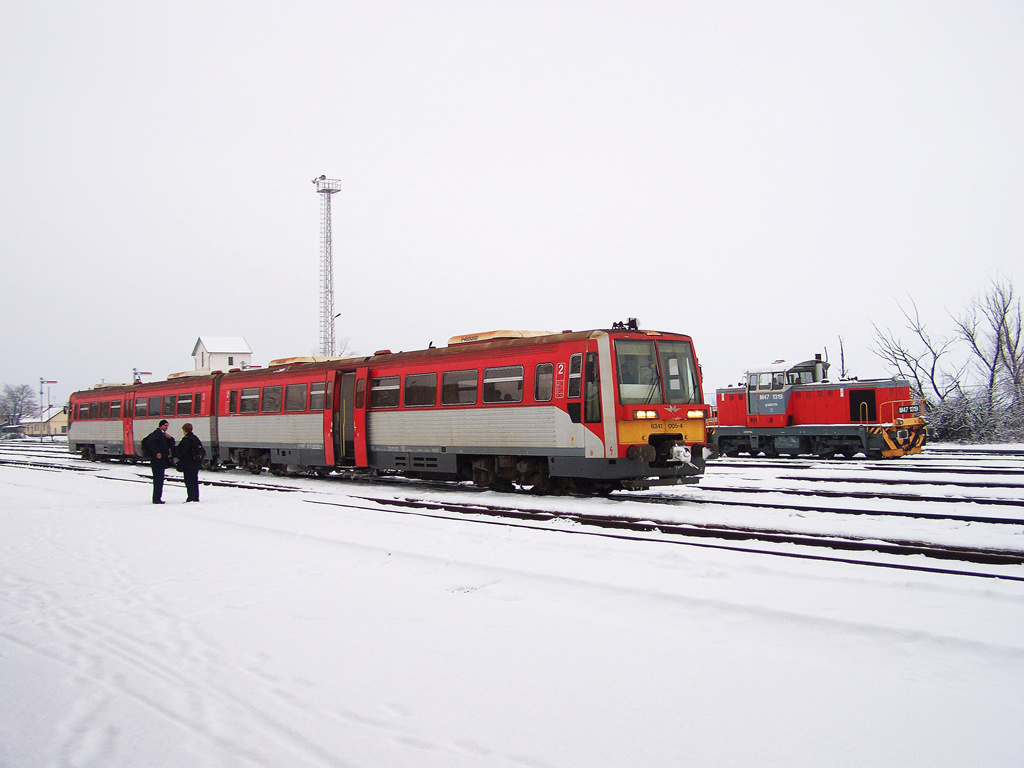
(645, 414)
(695, 414)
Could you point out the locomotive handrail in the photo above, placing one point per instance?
(907, 408)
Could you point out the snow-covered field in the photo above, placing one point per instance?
(259, 629)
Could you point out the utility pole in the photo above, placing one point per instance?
(42, 423)
(326, 188)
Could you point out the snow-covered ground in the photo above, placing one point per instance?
(260, 629)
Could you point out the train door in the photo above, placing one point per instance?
(862, 405)
(127, 414)
(359, 418)
(344, 419)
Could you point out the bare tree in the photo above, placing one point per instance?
(925, 362)
(17, 402)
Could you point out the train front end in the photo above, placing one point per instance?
(660, 419)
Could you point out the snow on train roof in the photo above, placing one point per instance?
(781, 366)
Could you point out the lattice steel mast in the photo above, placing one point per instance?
(325, 188)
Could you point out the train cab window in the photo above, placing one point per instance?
(271, 399)
(778, 380)
(197, 403)
(575, 376)
(764, 381)
(250, 400)
(504, 384)
(384, 392)
(752, 384)
(421, 389)
(115, 409)
(458, 387)
(543, 382)
(233, 401)
(168, 409)
(140, 408)
(105, 409)
(77, 409)
(295, 397)
(184, 405)
(317, 392)
(94, 411)
(154, 406)
(639, 379)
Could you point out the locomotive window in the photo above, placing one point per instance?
(575, 375)
(778, 381)
(105, 409)
(250, 400)
(168, 409)
(316, 395)
(271, 399)
(233, 401)
(639, 379)
(384, 392)
(543, 382)
(503, 385)
(295, 397)
(753, 381)
(679, 372)
(140, 408)
(197, 403)
(458, 387)
(94, 410)
(421, 389)
(764, 381)
(115, 409)
(184, 405)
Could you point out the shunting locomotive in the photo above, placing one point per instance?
(591, 411)
(784, 409)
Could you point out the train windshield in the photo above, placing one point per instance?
(656, 372)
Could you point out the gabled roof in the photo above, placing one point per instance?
(232, 345)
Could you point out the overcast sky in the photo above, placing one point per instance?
(766, 177)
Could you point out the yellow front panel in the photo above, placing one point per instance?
(639, 432)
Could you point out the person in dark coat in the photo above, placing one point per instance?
(190, 453)
(159, 447)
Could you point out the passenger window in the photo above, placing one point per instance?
(503, 385)
(543, 382)
(421, 389)
(384, 392)
(233, 401)
(295, 397)
(140, 408)
(168, 409)
(250, 401)
(105, 409)
(94, 410)
(575, 376)
(154, 406)
(458, 387)
(184, 405)
(271, 400)
(316, 395)
(115, 409)
(197, 403)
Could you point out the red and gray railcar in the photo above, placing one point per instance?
(784, 409)
(592, 410)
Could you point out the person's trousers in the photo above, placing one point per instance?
(158, 483)
(191, 483)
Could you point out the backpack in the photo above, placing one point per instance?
(198, 452)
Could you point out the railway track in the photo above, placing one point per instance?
(660, 528)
